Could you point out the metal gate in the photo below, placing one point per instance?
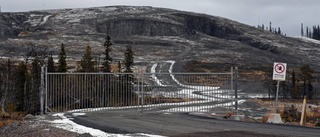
(161, 92)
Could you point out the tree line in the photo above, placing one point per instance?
(276, 30)
(87, 63)
(313, 33)
(20, 81)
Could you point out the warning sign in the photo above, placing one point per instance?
(279, 71)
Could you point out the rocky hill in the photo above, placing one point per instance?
(156, 34)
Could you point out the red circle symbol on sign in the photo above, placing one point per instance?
(279, 68)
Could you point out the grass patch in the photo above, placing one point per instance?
(10, 118)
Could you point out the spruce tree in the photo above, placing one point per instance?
(62, 66)
(270, 28)
(318, 32)
(119, 66)
(50, 64)
(307, 79)
(128, 79)
(107, 59)
(310, 33)
(302, 32)
(87, 65)
(36, 79)
(20, 79)
(128, 59)
(294, 90)
(314, 32)
(6, 85)
(307, 33)
(279, 31)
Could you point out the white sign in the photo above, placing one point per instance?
(279, 71)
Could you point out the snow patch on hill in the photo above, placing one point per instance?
(34, 20)
(45, 19)
(307, 39)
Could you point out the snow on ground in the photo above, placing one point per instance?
(187, 86)
(45, 19)
(202, 108)
(206, 90)
(153, 71)
(64, 123)
(145, 107)
(78, 114)
(208, 93)
(307, 39)
(34, 20)
(258, 95)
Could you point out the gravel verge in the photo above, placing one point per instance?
(37, 127)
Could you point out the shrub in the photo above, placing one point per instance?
(290, 114)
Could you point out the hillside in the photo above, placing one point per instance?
(197, 42)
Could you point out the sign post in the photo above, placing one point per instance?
(279, 74)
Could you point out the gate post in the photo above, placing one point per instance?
(236, 88)
(231, 87)
(42, 90)
(142, 95)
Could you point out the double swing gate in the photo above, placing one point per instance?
(161, 92)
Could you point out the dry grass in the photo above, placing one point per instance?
(264, 119)
(11, 117)
(25, 33)
(4, 123)
(290, 111)
(293, 113)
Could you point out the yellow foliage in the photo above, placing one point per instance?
(3, 123)
(11, 107)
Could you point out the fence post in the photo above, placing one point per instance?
(231, 87)
(139, 96)
(236, 88)
(303, 112)
(142, 95)
(46, 89)
(42, 91)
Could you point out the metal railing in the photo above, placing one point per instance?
(161, 92)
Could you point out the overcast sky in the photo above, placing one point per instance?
(287, 14)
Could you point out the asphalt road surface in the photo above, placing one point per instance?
(184, 124)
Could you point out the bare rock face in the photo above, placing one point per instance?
(155, 34)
